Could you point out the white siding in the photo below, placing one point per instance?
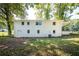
(66, 32)
(45, 29)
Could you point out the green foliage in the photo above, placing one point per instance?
(2, 24)
(7, 12)
(43, 10)
(66, 27)
(75, 27)
(62, 10)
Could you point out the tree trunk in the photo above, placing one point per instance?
(8, 24)
(9, 28)
(7, 13)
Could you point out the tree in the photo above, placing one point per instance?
(75, 26)
(43, 10)
(7, 12)
(63, 9)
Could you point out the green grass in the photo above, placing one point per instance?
(3, 33)
(65, 45)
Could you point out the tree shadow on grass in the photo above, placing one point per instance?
(72, 48)
(42, 47)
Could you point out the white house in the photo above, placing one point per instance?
(38, 28)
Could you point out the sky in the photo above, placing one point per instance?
(31, 13)
(75, 16)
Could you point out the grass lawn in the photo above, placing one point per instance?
(61, 46)
(3, 33)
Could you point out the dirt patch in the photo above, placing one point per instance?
(13, 43)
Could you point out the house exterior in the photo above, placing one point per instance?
(38, 28)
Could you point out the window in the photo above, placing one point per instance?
(39, 23)
(38, 31)
(28, 23)
(22, 23)
(54, 31)
(54, 23)
(28, 31)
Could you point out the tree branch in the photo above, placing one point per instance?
(2, 10)
(2, 17)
